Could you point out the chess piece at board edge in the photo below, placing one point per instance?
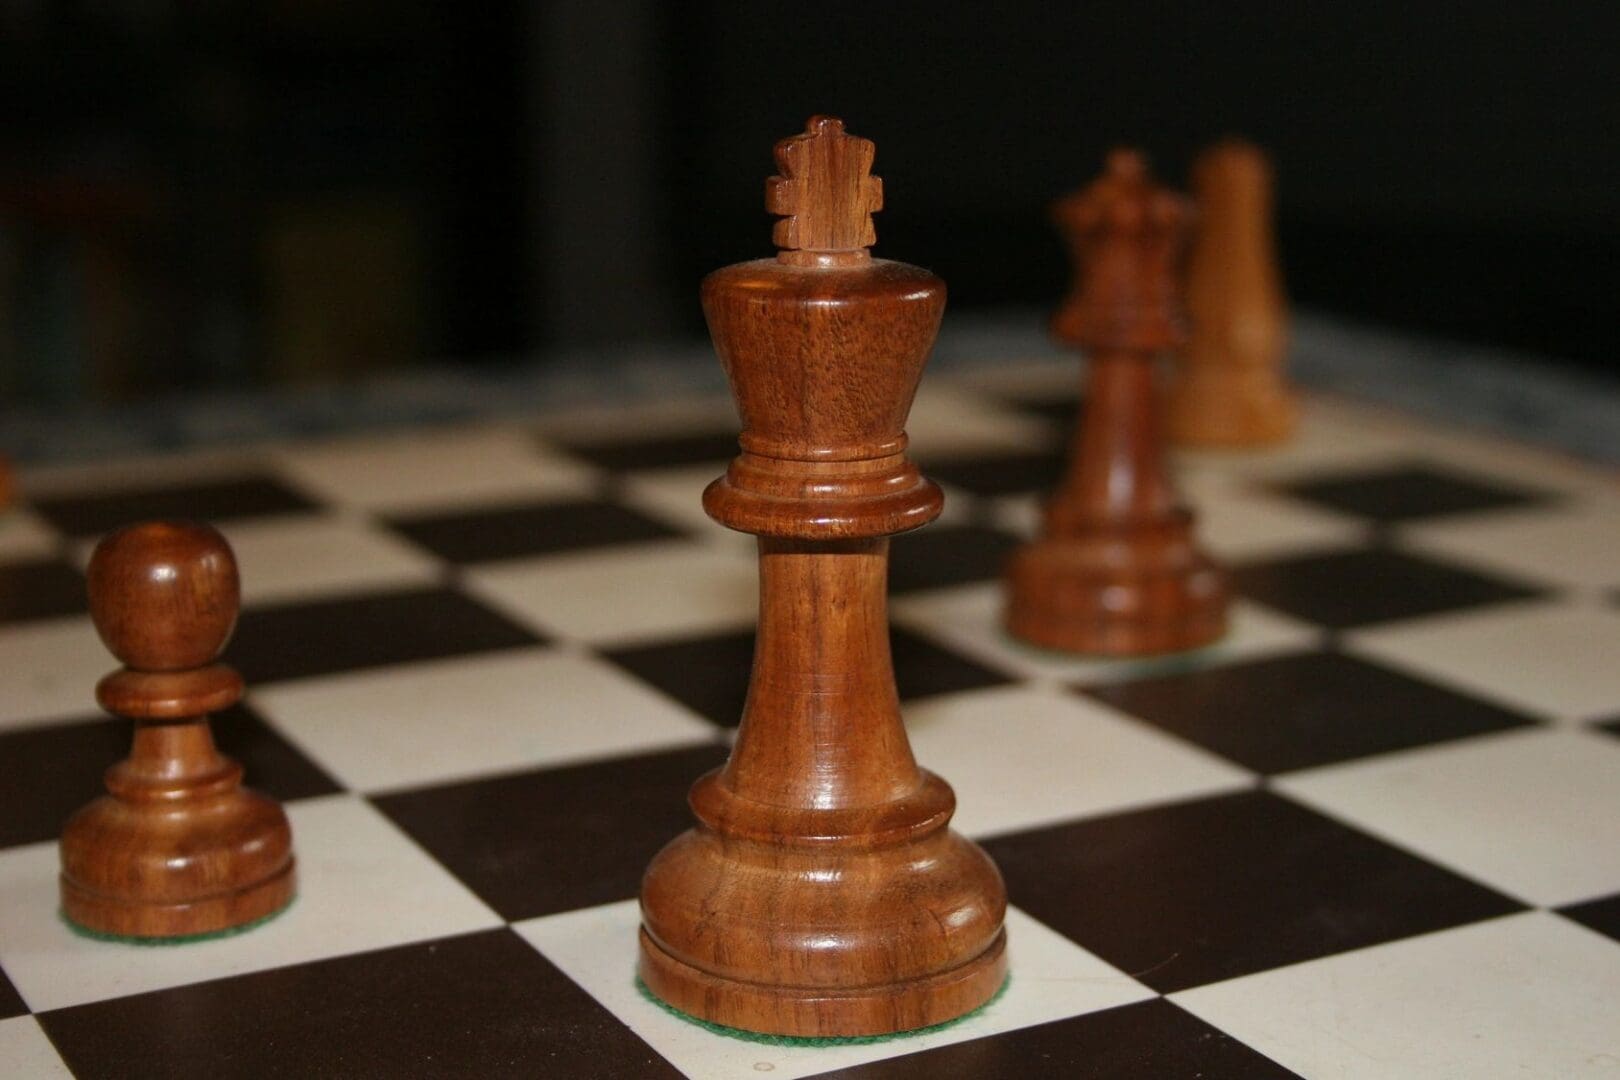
(1116, 569)
(1228, 388)
(822, 892)
(177, 847)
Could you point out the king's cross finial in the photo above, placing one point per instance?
(825, 193)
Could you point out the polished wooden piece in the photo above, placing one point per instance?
(1229, 388)
(177, 846)
(822, 892)
(1116, 570)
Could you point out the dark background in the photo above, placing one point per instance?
(232, 193)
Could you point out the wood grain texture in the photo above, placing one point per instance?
(1116, 570)
(1229, 388)
(822, 892)
(177, 846)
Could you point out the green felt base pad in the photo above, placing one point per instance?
(183, 939)
(814, 1040)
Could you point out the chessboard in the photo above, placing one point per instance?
(1373, 833)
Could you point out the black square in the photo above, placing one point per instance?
(41, 589)
(659, 452)
(1602, 915)
(1063, 408)
(1305, 709)
(292, 641)
(549, 840)
(923, 669)
(710, 675)
(1610, 726)
(1148, 1040)
(480, 1005)
(1346, 589)
(1409, 493)
(1003, 474)
(11, 1002)
(56, 769)
(1209, 889)
(253, 495)
(544, 528)
(942, 555)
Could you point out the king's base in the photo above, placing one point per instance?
(1230, 410)
(1105, 596)
(102, 914)
(820, 1012)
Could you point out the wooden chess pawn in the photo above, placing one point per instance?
(1116, 570)
(1229, 388)
(177, 847)
(822, 892)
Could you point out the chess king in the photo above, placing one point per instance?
(822, 892)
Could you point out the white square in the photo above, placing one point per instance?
(25, 535)
(675, 495)
(1497, 461)
(948, 422)
(1027, 377)
(1237, 522)
(26, 1054)
(1234, 520)
(1551, 659)
(362, 884)
(1022, 515)
(498, 712)
(287, 558)
(1332, 437)
(659, 418)
(51, 669)
(1535, 813)
(426, 470)
(1052, 978)
(1024, 756)
(117, 471)
(632, 593)
(1575, 546)
(1530, 995)
(968, 618)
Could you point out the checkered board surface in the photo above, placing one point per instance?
(1375, 833)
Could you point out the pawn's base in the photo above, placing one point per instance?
(1106, 595)
(113, 917)
(1230, 410)
(821, 1012)
(144, 867)
(183, 939)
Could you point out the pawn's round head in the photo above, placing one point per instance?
(164, 595)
